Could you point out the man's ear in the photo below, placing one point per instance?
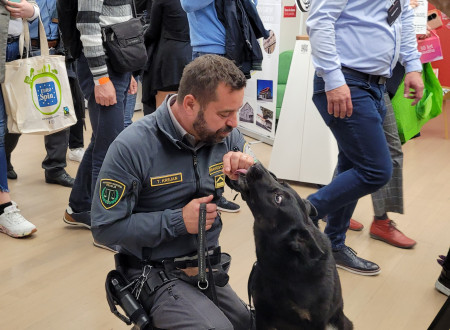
(190, 105)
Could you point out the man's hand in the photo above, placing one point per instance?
(105, 94)
(233, 161)
(340, 102)
(133, 86)
(413, 86)
(192, 210)
(21, 9)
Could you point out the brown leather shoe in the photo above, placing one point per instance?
(355, 225)
(386, 231)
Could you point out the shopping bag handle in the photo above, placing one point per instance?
(25, 39)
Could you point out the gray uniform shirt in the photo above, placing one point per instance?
(149, 174)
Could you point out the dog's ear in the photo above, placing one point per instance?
(310, 209)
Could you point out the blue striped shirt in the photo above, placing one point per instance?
(356, 34)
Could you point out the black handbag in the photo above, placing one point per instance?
(124, 44)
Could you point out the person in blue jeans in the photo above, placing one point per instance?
(355, 46)
(12, 222)
(106, 92)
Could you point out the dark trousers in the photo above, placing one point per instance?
(76, 139)
(55, 145)
(364, 162)
(180, 305)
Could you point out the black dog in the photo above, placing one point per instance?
(294, 283)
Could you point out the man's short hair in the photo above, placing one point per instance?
(202, 76)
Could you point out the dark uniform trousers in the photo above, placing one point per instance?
(181, 305)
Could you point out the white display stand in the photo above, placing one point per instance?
(304, 149)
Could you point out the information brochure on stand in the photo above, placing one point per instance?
(257, 115)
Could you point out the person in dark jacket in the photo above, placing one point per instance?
(168, 36)
(155, 176)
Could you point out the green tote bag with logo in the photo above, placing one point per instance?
(36, 90)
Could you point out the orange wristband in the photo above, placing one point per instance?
(102, 81)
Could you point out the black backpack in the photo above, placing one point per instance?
(67, 13)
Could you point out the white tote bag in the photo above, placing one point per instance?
(36, 90)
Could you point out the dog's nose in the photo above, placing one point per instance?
(254, 173)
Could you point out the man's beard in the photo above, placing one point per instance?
(206, 135)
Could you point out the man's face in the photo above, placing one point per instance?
(215, 122)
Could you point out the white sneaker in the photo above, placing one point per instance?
(12, 223)
(76, 154)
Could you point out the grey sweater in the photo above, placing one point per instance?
(92, 16)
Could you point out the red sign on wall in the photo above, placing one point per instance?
(290, 11)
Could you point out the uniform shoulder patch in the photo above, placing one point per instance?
(219, 181)
(111, 192)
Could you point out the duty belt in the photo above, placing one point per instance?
(380, 80)
(130, 261)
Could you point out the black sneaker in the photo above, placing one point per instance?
(77, 219)
(346, 259)
(443, 282)
(224, 205)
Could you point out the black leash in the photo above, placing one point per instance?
(203, 256)
(202, 281)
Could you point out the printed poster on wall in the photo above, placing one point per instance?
(257, 115)
(421, 16)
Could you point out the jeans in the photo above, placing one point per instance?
(364, 162)
(107, 122)
(12, 53)
(129, 107)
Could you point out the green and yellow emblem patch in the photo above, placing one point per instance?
(111, 192)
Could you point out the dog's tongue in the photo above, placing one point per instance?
(241, 171)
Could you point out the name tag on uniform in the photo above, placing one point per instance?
(166, 179)
(394, 11)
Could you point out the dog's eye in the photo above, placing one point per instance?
(278, 198)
